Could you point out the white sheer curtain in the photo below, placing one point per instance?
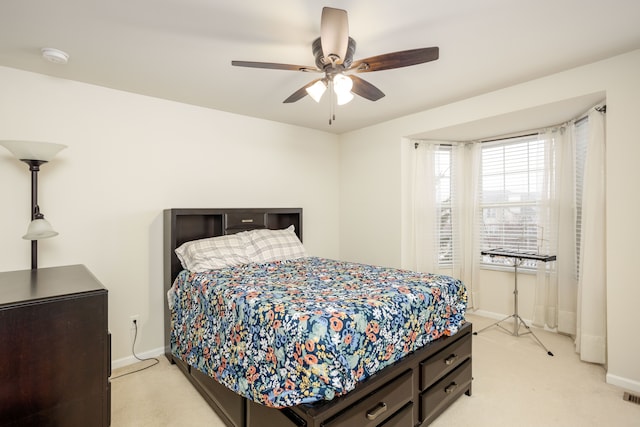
(465, 166)
(546, 290)
(591, 301)
(458, 210)
(565, 248)
(574, 305)
(556, 285)
(465, 178)
(424, 208)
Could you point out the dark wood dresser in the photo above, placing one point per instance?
(55, 356)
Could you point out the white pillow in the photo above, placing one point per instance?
(214, 253)
(274, 245)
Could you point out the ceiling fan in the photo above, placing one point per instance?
(334, 51)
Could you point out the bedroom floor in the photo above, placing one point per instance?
(515, 384)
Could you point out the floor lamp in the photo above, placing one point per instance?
(34, 154)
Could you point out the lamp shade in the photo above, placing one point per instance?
(39, 229)
(342, 86)
(316, 90)
(33, 150)
(343, 98)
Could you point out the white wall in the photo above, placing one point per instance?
(131, 156)
(372, 185)
(128, 158)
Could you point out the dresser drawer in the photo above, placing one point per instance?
(378, 406)
(437, 398)
(444, 362)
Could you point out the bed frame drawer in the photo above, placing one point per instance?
(440, 364)
(379, 406)
(241, 221)
(404, 418)
(437, 398)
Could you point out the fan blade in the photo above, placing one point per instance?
(365, 89)
(300, 93)
(334, 34)
(400, 59)
(274, 66)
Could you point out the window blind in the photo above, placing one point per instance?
(511, 188)
(445, 249)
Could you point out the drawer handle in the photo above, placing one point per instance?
(451, 359)
(451, 388)
(247, 220)
(374, 413)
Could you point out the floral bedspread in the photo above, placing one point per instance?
(286, 333)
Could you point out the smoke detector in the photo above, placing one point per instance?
(55, 55)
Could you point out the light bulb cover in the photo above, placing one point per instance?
(343, 98)
(316, 90)
(32, 150)
(39, 229)
(342, 84)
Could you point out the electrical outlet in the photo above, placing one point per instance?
(134, 321)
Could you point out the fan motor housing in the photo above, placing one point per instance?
(322, 63)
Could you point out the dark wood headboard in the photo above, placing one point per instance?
(183, 225)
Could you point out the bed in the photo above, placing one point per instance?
(331, 365)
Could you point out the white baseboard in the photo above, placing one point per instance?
(625, 383)
(488, 314)
(495, 316)
(129, 360)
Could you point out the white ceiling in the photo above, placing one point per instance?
(182, 49)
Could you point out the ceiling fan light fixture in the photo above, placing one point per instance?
(342, 86)
(343, 98)
(316, 90)
(333, 52)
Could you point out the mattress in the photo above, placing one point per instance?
(298, 331)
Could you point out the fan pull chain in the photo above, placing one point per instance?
(332, 113)
(332, 104)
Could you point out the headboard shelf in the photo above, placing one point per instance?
(184, 225)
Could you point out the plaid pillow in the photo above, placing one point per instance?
(274, 245)
(214, 253)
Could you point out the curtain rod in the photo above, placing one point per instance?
(502, 138)
(442, 143)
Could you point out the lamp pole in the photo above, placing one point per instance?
(34, 167)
